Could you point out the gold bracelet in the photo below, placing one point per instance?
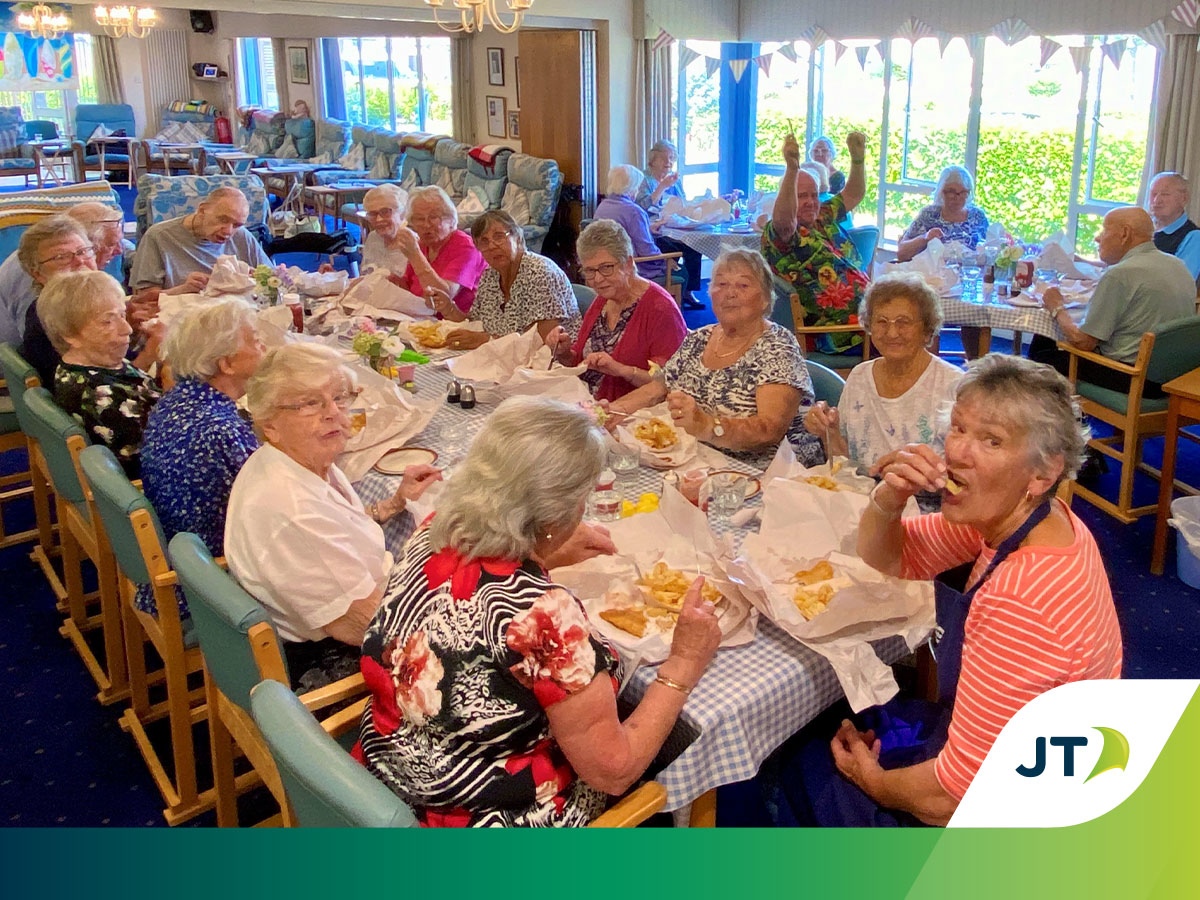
(673, 685)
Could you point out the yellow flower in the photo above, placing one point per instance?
(826, 276)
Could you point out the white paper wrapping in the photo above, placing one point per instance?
(444, 327)
(682, 454)
(394, 416)
(375, 291)
(518, 364)
(229, 276)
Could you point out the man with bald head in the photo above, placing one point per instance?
(1141, 289)
(1174, 232)
(172, 250)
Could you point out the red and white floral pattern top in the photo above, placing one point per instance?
(462, 660)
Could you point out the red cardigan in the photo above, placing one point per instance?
(653, 333)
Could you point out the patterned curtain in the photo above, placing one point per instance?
(107, 72)
(279, 51)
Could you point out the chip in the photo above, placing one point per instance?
(666, 586)
(822, 571)
(812, 601)
(824, 482)
(428, 334)
(951, 486)
(630, 619)
(656, 434)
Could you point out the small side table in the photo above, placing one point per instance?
(235, 163)
(287, 176)
(55, 159)
(191, 153)
(103, 142)
(328, 199)
(1184, 394)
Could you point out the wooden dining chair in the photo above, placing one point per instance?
(13, 485)
(674, 261)
(792, 317)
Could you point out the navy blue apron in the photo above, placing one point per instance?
(910, 731)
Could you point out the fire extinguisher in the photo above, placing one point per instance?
(223, 129)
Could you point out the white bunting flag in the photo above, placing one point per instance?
(687, 56)
(764, 63)
(662, 40)
(944, 39)
(788, 52)
(1155, 35)
(1187, 12)
(914, 29)
(711, 65)
(1079, 56)
(737, 67)
(1011, 31)
(1114, 50)
(1049, 48)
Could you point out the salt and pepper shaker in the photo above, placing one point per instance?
(670, 479)
(453, 392)
(467, 400)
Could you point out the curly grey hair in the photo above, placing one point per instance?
(51, 228)
(290, 369)
(391, 192)
(71, 300)
(828, 142)
(907, 286)
(605, 234)
(528, 473)
(1034, 400)
(624, 180)
(204, 335)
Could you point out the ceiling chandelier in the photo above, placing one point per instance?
(474, 14)
(41, 21)
(119, 21)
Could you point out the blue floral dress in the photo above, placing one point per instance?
(194, 446)
(970, 232)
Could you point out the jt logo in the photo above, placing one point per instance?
(1114, 754)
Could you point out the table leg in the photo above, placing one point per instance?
(1166, 485)
(985, 342)
(704, 811)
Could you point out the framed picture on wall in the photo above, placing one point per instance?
(496, 66)
(497, 120)
(514, 124)
(298, 65)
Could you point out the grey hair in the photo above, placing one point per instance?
(605, 234)
(752, 262)
(290, 368)
(70, 300)
(908, 286)
(434, 193)
(392, 192)
(1034, 400)
(51, 228)
(822, 139)
(528, 471)
(624, 180)
(953, 175)
(1176, 178)
(95, 217)
(662, 147)
(204, 335)
(819, 173)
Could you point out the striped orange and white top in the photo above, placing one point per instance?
(1045, 617)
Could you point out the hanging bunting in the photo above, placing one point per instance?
(737, 67)
(944, 39)
(913, 29)
(814, 36)
(1155, 35)
(788, 52)
(687, 56)
(764, 63)
(861, 53)
(710, 66)
(1187, 12)
(1079, 56)
(662, 40)
(838, 49)
(1049, 48)
(1114, 50)
(1012, 30)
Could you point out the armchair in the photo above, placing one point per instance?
(531, 196)
(160, 198)
(114, 117)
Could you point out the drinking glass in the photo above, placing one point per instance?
(604, 506)
(1046, 276)
(623, 461)
(727, 493)
(972, 271)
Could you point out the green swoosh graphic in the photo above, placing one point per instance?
(1114, 754)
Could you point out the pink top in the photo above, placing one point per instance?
(1045, 617)
(458, 262)
(654, 333)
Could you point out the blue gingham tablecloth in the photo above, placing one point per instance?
(751, 698)
(711, 240)
(992, 312)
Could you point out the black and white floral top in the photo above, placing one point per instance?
(112, 405)
(540, 291)
(775, 358)
(603, 339)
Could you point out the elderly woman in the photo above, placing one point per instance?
(660, 178)
(385, 207)
(1023, 602)
(196, 442)
(439, 255)
(618, 204)
(493, 701)
(296, 535)
(951, 216)
(822, 151)
(632, 325)
(84, 317)
(519, 289)
(898, 398)
(738, 385)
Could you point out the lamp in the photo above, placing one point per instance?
(119, 21)
(43, 22)
(474, 14)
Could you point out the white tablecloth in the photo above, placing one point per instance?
(711, 240)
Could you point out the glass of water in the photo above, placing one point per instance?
(972, 271)
(623, 461)
(727, 493)
(1046, 276)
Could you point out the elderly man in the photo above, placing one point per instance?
(806, 245)
(172, 250)
(1141, 289)
(1174, 232)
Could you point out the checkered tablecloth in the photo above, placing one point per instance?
(751, 699)
(711, 241)
(991, 312)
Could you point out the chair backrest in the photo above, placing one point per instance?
(584, 296)
(326, 787)
(1176, 349)
(18, 374)
(12, 132)
(827, 384)
(531, 195)
(119, 504)
(113, 116)
(20, 209)
(53, 429)
(303, 131)
(449, 169)
(865, 239)
(333, 136)
(41, 130)
(162, 197)
(223, 615)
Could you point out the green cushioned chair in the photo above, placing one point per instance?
(240, 649)
(136, 538)
(13, 485)
(789, 313)
(1165, 353)
(61, 439)
(584, 296)
(827, 384)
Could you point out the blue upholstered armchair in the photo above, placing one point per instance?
(114, 117)
(160, 197)
(531, 196)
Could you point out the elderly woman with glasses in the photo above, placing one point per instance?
(493, 701)
(951, 216)
(84, 317)
(632, 326)
(440, 256)
(297, 537)
(385, 207)
(822, 151)
(519, 289)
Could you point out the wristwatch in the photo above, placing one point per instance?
(718, 428)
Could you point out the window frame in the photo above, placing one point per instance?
(423, 106)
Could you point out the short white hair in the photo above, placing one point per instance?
(819, 173)
(204, 335)
(953, 175)
(392, 192)
(433, 193)
(624, 180)
(528, 470)
(71, 300)
(290, 369)
(822, 139)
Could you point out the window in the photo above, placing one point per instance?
(256, 73)
(59, 106)
(399, 83)
(699, 117)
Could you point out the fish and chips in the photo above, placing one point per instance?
(428, 334)
(813, 591)
(656, 434)
(663, 589)
(824, 482)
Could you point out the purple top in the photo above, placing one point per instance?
(636, 223)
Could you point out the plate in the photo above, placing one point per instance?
(1020, 300)
(394, 462)
(755, 484)
(741, 229)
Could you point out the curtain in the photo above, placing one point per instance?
(464, 97)
(1177, 113)
(331, 72)
(279, 51)
(652, 96)
(107, 71)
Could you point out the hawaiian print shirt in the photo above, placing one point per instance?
(112, 405)
(823, 267)
(462, 660)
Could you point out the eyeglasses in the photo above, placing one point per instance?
(387, 211)
(62, 259)
(426, 220)
(955, 192)
(316, 405)
(603, 270)
(901, 325)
